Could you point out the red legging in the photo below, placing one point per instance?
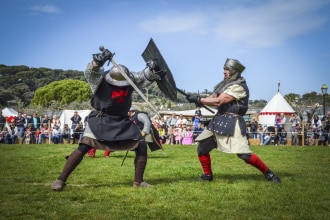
(107, 153)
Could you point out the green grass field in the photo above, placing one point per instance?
(100, 188)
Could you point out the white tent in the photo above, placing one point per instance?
(67, 114)
(275, 106)
(9, 112)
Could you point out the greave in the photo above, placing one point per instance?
(73, 160)
(258, 163)
(205, 161)
(140, 163)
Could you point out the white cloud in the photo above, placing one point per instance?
(268, 24)
(45, 8)
(173, 23)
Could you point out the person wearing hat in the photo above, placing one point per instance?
(109, 127)
(227, 129)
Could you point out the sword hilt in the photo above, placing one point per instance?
(106, 54)
(185, 94)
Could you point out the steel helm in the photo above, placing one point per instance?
(114, 76)
(235, 68)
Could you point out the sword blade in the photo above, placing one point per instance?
(134, 86)
(124, 158)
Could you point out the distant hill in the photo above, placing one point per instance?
(20, 82)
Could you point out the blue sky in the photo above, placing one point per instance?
(277, 40)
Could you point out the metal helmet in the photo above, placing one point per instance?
(235, 67)
(114, 76)
(133, 108)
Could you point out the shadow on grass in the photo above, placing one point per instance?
(225, 178)
(121, 156)
(218, 179)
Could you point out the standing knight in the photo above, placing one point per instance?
(109, 127)
(227, 129)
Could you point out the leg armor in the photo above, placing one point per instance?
(73, 161)
(83, 148)
(255, 161)
(142, 149)
(203, 150)
(245, 157)
(206, 145)
(140, 163)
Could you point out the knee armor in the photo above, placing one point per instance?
(83, 148)
(244, 157)
(206, 145)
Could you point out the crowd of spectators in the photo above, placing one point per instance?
(315, 132)
(32, 129)
(178, 130)
(173, 130)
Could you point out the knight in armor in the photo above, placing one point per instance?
(109, 127)
(227, 129)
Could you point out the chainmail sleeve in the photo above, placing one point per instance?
(144, 119)
(141, 79)
(93, 76)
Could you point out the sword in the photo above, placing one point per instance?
(124, 158)
(129, 81)
(185, 94)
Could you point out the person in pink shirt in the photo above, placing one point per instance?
(187, 137)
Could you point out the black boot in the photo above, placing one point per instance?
(271, 176)
(208, 177)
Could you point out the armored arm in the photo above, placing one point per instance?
(94, 70)
(144, 118)
(194, 99)
(147, 76)
(93, 75)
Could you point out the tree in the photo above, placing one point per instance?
(62, 92)
(291, 98)
(257, 103)
(5, 96)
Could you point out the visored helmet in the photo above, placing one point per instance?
(234, 66)
(115, 77)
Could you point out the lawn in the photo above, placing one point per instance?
(100, 188)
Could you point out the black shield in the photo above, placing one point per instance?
(166, 84)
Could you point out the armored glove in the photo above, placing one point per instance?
(101, 58)
(153, 66)
(194, 99)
